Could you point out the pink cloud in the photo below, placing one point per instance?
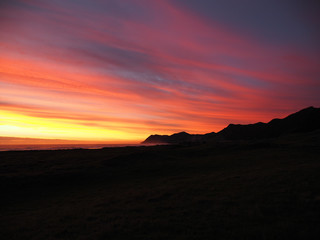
(176, 71)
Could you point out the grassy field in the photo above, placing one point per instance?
(252, 190)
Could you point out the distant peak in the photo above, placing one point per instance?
(232, 125)
(304, 120)
(309, 108)
(180, 134)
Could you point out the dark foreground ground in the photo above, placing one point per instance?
(253, 190)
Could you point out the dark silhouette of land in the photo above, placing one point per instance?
(250, 188)
(305, 120)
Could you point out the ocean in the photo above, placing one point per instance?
(61, 146)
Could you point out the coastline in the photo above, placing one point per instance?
(231, 190)
(35, 147)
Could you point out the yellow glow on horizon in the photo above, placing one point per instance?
(18, 125)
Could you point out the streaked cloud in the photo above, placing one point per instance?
(132, 68)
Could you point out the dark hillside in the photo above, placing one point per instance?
(305, 120)
(266, 189)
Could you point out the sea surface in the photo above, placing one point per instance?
(60, 146)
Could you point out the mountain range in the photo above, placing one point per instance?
(305, 120)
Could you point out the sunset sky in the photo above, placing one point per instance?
(120, 70)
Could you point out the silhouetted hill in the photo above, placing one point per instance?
(246, 190)
(305, 120)
(181, 137)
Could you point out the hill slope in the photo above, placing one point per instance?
(226, 190)
(306, 120)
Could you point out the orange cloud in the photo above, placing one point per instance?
(126, 74)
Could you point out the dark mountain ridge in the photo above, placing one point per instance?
(180, 137)
(306, 120)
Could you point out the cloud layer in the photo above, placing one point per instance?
(124, 69)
